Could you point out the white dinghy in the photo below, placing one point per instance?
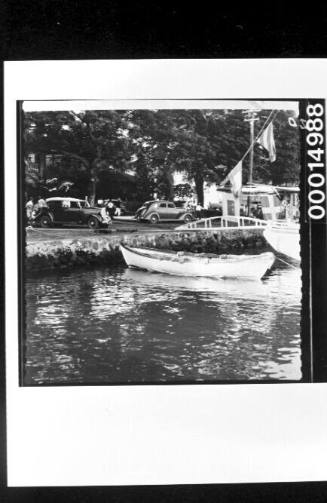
(190, 264)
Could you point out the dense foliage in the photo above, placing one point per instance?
(152, 144)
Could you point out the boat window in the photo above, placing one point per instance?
(230, 207)
(265, 201)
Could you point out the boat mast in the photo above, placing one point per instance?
(251, 143)
(251, 116)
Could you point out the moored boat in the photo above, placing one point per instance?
(205, 265)
(284, 238)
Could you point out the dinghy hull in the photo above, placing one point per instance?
(179, 264)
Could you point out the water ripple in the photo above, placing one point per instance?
(122, 325)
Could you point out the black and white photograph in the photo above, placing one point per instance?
(165, 241)
(162, 245)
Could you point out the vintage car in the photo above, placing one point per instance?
(157, 211)
(68, 211)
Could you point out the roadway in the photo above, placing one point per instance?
(119, 225)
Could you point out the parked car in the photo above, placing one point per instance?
(140, 211)
(156, 211)
(69, 211)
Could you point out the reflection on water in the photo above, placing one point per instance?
(122, 325)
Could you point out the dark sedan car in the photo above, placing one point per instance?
(68, 211)
(155, 211)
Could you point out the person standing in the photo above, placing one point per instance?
(111, 209)
(259, 212)
(105, 215)
(41, 202)
(29, 209)
(198, 210)
(118, 208)
(39, 207)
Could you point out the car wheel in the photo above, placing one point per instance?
(93, 223)
(154, 219)
(45, 221)
(188, 219)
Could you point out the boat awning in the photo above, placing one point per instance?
(288, 189)
(259, 189)
(254, 189)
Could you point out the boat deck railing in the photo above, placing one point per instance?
(223, 222)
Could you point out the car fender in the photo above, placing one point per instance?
(43, 212)
(185, 215)
(50, 215)
(148, 217)
(95, 215)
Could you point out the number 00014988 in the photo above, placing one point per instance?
(316, 177)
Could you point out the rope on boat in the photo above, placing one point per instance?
(287, 263)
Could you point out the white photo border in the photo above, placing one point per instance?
(154, 435)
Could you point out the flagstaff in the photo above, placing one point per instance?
(251, 117)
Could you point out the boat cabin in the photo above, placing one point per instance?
(266, 202)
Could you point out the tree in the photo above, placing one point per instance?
(152, 144)
(183, 190)
(204, 142)
(152, 137)
(94, 138)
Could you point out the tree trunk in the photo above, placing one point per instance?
(95, 165)
(170, 183)
(93, 180)
(93, 191)
(42, 167)
(199, 188)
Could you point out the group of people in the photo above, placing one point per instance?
(33, 208)
(256, 211)
(110, 208)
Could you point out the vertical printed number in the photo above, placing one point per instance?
(316, 179)
(316, 110)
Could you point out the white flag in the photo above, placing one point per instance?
(235, 178)
(267, 141)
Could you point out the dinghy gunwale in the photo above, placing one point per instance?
(189, 257)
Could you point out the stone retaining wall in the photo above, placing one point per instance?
(104, 249)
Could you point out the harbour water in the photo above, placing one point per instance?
(117, 325)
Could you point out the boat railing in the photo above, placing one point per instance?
(223, 222)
